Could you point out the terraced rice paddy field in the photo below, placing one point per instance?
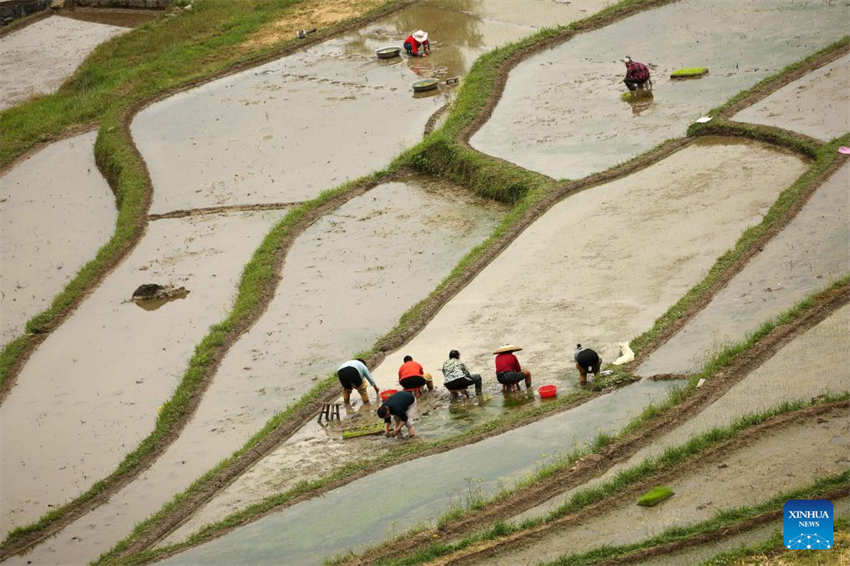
(300, 206)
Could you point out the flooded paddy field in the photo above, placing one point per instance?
(56, 210)
(812, 364)
(748, 475)
(90, 392)
(38, 58)
(809, 254)
(601, 266)
(815, 105)
(561, 113)
(373, 508)
(346, 281)
(289, 129)
(753, 537)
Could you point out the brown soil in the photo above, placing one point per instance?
(310, 15)
(220, 209)
(486, 549)
(596, 464)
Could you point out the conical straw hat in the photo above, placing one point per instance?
(508, 348)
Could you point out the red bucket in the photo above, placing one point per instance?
(547, 391)
(386, 394)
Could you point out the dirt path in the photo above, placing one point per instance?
(55, 210)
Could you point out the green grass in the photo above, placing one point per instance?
(689, 72)
(655, 496)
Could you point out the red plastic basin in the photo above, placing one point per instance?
(547, 391)
(386, 394)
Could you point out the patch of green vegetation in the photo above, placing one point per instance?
(655, 496)
(689, 72)
(365, 430)
(633, 95)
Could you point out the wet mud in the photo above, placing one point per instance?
(382, 504)
(56, 210)
(748, 475)
(90, 393)
(121, 17)
(809, 253)
(553, 286)
(38, 58)
(289, 129)
(813, 364)
(815, 105)
(561, 114)
(346, 280)
(750, 538)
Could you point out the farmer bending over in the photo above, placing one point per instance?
(400, 407)
(587, 361)
(351, 375)
(637, 74)
(458, 378)
(412, 377)
(508, 371)
(417, 44)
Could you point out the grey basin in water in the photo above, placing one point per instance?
(425, 84)
(388, 52)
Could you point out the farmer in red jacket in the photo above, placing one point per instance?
(637, 74)
(417, 44)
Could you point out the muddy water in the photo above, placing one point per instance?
(374, 508)
(747, 539)
(806, 256)
(745, 476)
(553, 287)
(289, 129)
(561, 112)
(56, 210)
(39, 57)
(821, 351)
(346, 281)
(90, 392)
(815, 105)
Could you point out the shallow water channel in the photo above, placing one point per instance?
(822, 351)
(38, 58)
(809, 253)
(815, 105)
(346, 280)
(56, 210)
(289, 129)
(374, 508)
(561, 113)
(745, 476)
(90, 392)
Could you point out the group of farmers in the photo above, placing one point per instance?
(398, 408)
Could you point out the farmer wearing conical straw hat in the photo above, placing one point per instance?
(508, 371)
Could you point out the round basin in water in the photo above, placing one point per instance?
(387, 52)
(425, 84)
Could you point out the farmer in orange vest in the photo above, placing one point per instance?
(412, 377)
